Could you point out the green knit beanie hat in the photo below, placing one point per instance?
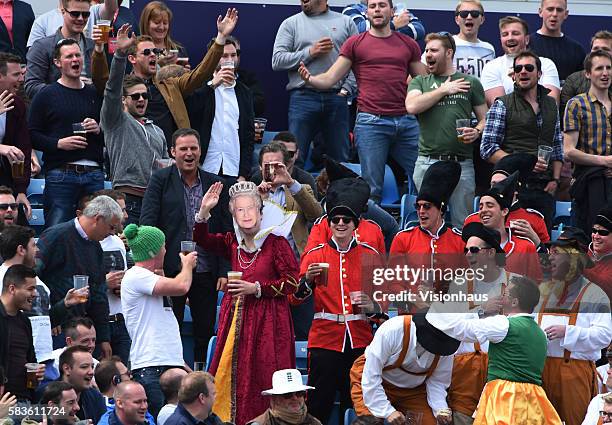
(144, 241)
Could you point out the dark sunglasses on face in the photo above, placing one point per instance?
(156, 51)
(292, 153)
(336, 219)
(464, 13)
(473, 249)
(299, 394)
(528, 67)
(6, 206)
(604, 414)
(137, 96)
(425, 205)
(75, 13)
(600, 232)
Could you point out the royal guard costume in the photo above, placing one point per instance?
(340, 331)
(523, 163)
(407, 367)
(601, 272)
(521, 253)
(418, 246)
(471, 359)
(368, 231)
(583, 310)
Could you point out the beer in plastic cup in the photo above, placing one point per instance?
(105, 27)
(31, 378)
(80, 282)
(17, 169)
(544, 153)
(356, 301)
(459, 125)
(187, 247)
(234, 275)
(322, 279)
(78, 129)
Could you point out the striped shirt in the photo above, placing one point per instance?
(587, 115)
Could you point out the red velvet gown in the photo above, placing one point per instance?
(261, 338)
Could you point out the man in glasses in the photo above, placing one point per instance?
(334, 274)
(134, 143)
(600, 410)
(586, 139)
(600, 250)
(521, 254)
(420, 245)
(484, 254)
(41, 70)
(497, 74)
(551, 42)
(287, 401)
(109, 374)
(527, 120)
(575, 315)
(439, 100)
(526, 222)
(196, 398)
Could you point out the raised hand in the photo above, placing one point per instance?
(225, 25)
(124, 42)
(210, 199)
(6, 101)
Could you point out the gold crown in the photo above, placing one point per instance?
(243, 188)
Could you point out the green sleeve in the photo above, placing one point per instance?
(416, 84)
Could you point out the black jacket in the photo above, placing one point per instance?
(249, 79)
(5, 338)
(163, 206)
(201, 107)
(23, 18)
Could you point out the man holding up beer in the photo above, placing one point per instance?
(444, 101)
(332, 272)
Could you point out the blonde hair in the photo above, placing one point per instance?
(507, 20)
(476, 2)
(154, 10)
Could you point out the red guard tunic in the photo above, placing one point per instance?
(367, 232)
(334, 315)
(535, 219)
(601, 272)
(522, 257)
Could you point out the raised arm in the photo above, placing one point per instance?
(330, 77)
(217, 243)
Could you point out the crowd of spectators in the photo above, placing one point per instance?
(93, 302)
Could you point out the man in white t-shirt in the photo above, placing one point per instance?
(496, 77)
(147, 307)
(18, 247)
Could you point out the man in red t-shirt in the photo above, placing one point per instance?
(381, 61)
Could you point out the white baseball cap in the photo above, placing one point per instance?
(286, 381)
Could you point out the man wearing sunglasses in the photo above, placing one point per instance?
(419, 245)
(134, 143)
(600, 251)
(9, 208)
(287, 401)
(497, 74)
(341, 298)
(575, 315)
(41, 70)
(527, 120)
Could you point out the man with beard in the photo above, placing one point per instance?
(315, 37)
(77, 369)
(439, 99)
(383, 128)
(575, 314)
(133, 142)
(16, 342)
(586, 139)
(61, 396)
(497, 74)
(525, 121)
(9, 208)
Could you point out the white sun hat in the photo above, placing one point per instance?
(286, 381)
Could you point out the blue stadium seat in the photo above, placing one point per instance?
(219, 297)
(217, 318)
(563, 213)
(37, 222)
(210, 351)
(301, 356)
(304, 379)
(187, 336)
(555, 235)
(407, 211)
(35, 192)
(268, 136)
(349, 416)
(476, 203)
(108, 185)
(390, 193)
